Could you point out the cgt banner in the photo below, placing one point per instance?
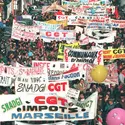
(45, 107)
(56, 123)
(36, 85)
(59, 35)
(63, 45)
(114, 53)
(83, 56)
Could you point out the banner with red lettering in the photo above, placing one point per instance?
(58, 35)
(46, 107)
(38, 85)
(118, 23)
(24, 32)
(85, 56)
(61, 17)
(112, 77)
(23, 71)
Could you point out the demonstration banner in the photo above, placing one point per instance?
(6, 80)
(118, 23)
(83, 56)
(56, 68)
(63, 45)
(99, 26)
(23, 71)
(55, 123)
(112, 77)
(72, 74)
(59, 35)
(45, 107)
(98, 33)
(61, 17)
(24, 32)
(114, 53)
(37, 85)
(47, 26)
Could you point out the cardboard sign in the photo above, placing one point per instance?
(85, 56)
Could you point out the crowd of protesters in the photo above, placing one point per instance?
(24, 51)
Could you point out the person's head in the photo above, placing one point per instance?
(81, 96)
(110, 101)
(82, 81)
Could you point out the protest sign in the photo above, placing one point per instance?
(44, 107)
(117, 23)
(45, 25)
(23, 71)
(112, 77)
(55, 123)
(24, 32)
(56, 68)
(61, 17)
(63, 45)
(85, 56)
(72, 93)
(38, 85)
(114, 53)
(59, 35)
(6, 80)
(72, 74)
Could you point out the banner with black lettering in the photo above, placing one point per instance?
(83, 56)
(36, 85)
(45, 107)
(55, 123)
(6, 80)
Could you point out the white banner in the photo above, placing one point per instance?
(36, 85)
(85, 56)
(6, 80)
(23, 71)
(47, 26)
(45, 107)
(56, 123)
(72, 74)
(24, 32)
(59, 35)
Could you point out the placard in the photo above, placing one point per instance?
(85, 56)
(114, 53)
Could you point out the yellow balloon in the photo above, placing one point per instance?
(99, 73)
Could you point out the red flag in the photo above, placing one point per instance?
(116, 13)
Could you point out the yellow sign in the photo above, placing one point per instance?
(64, 22)
(62, 46)
(114, 53)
